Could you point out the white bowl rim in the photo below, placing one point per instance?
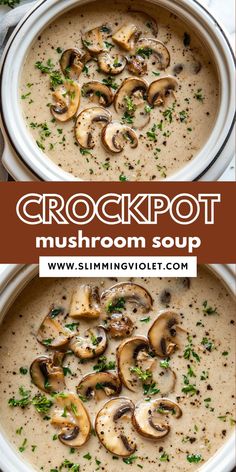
(14, 278)
(44, 169)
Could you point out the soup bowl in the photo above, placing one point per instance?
(13, 280)
(25, 161)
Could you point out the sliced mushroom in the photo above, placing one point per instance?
(85, 302)
(111, 64)
(151, 419)
(92, 344)
(120, 326)
(93, 40)
(72, 62)
(51, 332)
(115, 135)
(160, 89)
(47, 374)
(130, 292)
(114, 427)
(72, 418)
(126, 36)
(98, 93)
(146, 47)
(137, 65)
(67, 98)
(99, 385)
(85, 123)
(165, 335)
(131, 98)
(127, 354)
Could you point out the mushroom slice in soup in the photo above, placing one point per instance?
(159, 90)
(151, 419)
(72, 62)
(98, 93)
(47, 374)
(72, 418)
(127, 354)
(126, 292)
(85, 302)
(113, 426)
(67, 98)
(126, 36)
(147, 47)
(115, 136)
(92, 344)
(111, 64)
(51, 332)
(93, 40)
(131, 98)
(136, 65)
(86, 121)
(99, 385)
(165, 335)
(120, 326)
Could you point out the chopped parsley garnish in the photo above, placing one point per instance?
(152, 133)
(130, 106)
(108, 45)
(144, 52)
(72, 326)
(23, 401)
(66, 370)
(143, 375)
(55, 312)
(168, 113)
(47, 342)
(148, 109)
(199, 95)
(10, 3)
(165, 363)
(208, 344)
(194, 458)
(150, 389)
(41, 403)
(23, 370)
(103, 365)
(116, 306)
(189, 351)
(209, 310)
(84, 152)
(145, 320)
(110, 82)
(54, 75)
(122, 178)
(156, 73)
(183, 115)
(23, 446)
(164, 457)
(191, 389)
(87, 456)
(130, 459)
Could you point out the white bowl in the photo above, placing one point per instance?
(25, 161)
(14, 278)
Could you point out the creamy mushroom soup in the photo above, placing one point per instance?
(101, 375)
(120, 91)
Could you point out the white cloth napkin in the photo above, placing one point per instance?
(8, 19)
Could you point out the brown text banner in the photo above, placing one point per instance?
(123, 218)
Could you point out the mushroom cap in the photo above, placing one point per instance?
(151, 419)
(71, 416)
(159, 88)
(51, 332)
(125, 36)
(99, 92)
(67, 98)
(112, 64)
(165, 335)
(72, 62)
(113, 426)
(130, 292)
(129, 86)
(85, 302)
(98, 385)
(126, 354)
(115, 135)
(154, 47)
(86, 119)
(46, 374)
(92, 344)
(120, 326)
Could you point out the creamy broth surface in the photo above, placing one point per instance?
(207, 312)
(177, 129)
